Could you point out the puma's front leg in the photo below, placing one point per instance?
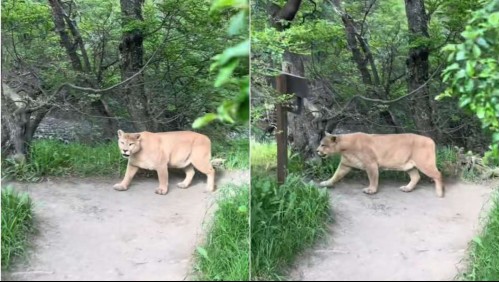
(341, 171)
(130, 173)
(163, 181)
(372, 173)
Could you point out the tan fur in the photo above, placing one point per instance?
(371, 152)
(158, 151)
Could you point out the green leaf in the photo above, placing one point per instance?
(495, 137)
(461, 55)
(494, 19)
(204, 120)
(447, 93)
(238, 23)
(225, 111)
(243, 209)
(203, 252)
(476, 51)
(470, 68)
(225, 73)
(464, 101)
(243, 110)
(460, 74)
(219, 5)
(482, 42)
(478, 240)
(454, 66)
(480, 113)
(469, 86)
(449, 47)
(240, 50)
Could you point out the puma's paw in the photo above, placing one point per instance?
(211, 188)
(369, 190)
(325, 184)
(406, 189)
(120, 187)
(161, 191)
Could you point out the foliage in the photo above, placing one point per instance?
(284, 221)
(17, 224)
(484, 256)
(473, 70)
(225, 254)
(232, 65)
(279, 215)
(180, 39)
(54, 158)
(317, 37)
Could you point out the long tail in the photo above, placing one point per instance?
(217, 162)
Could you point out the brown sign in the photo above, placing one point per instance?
(294, 85)
(297, 85)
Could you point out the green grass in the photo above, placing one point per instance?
(17, 224)
(225, 254)
(284, 221)
(484, 250)
(264, 154)
(54, 158)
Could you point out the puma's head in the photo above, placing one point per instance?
(129, 143)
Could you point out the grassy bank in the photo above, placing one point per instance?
(484, 250)
(17, 224)
(284, 220)
(225, 254)
(54, 158)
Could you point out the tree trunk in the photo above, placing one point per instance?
(358, 56)
(19, 125)
(362, 56)
(132, 53)
(66, 41)
(418, 66)
(71, 43)
(304, 131)
(286, 13)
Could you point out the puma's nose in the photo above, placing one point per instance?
(124, 151)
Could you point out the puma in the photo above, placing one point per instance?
(370, 152)
(158, 151)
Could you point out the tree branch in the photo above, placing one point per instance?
(96, 91)
(365, 17)
(386, 102)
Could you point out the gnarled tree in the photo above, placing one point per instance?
(418, 66)
(132, 57)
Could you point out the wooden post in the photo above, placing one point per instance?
(282, 133)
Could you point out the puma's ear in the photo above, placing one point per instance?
(120, 132)
(137, 136)
(330, 136)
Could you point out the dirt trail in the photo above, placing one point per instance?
(395, 235)
(88, 231)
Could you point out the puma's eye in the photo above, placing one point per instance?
(130, 144)
(123, 143)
